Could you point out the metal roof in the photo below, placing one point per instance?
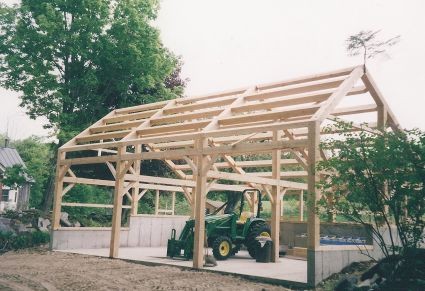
(10, 157)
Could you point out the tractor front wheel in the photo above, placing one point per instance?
(259, 229)
(222, 247)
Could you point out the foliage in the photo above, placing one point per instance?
(75, 61)
(15, 176)
(367, 44)
(24, 217)
(379, 177)
(12, 241)
(89, 194)
(36, 154)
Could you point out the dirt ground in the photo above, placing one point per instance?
(39, 269)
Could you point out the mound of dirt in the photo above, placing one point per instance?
(39, 269)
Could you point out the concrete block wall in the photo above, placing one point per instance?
(154, 231)
(143, 231)
(68, 238)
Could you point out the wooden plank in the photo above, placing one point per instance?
(200, 197)
(57, 198)
(222, 95)
(176, 182)
(336, 97)
(313, 220)
(91, 205)
(190, 136)
(275, 217)
(101, 136)
(380, 100)
(254, 179)
(117, 209)
(285, 174)
(147, 122)
(225, 149)
(201, 105)
(156, 202)
(313, 223)
(315, 96)
(139, 116)
(245, 164)
(354, 110)
(299, 88)
(136, 188)
(143, 107)
(309, 78)
(271, 115)
(87, 130)
(173, 127)
(186, 116)
(115, 126)
(301, 206)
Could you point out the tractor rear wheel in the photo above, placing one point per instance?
(258, 229)
(222, 247)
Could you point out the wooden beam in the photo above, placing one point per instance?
(116, 214)
(239, 148)
(245, 164)
(313, 222)
(91, 205)
(301, 206)
(275, 218)
(336, 97)
(270, 115)
(200, 197)
(156, 202)
(380, 100)
(57, 198)
(136, 188)
(315, 96)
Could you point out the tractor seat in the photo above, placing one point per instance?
(244, 217)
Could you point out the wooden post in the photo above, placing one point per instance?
(200, 197)
(313, 222)
(57, 199)
(382, 117)
(136, 188)
(173, 202)
(275, 218)
(116, 215)
(156, 202)
(301, 206)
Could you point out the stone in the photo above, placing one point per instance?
(43, 224)
(65, 219)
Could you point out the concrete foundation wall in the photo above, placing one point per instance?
(332, 259)
(290, 232)
(143, 231)
(68, 238)
(153, 231)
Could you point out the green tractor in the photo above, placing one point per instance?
(225, 233)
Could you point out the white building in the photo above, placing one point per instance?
(12, 199)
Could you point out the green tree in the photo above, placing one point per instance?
(378, 180)
(36, 154)
(367, 44)
(74, 61)
(15, 176)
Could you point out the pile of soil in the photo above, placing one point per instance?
(40, 269)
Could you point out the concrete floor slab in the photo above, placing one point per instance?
(241, 264)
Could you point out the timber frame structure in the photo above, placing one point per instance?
(276, 125)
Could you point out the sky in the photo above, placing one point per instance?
(227, 44)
